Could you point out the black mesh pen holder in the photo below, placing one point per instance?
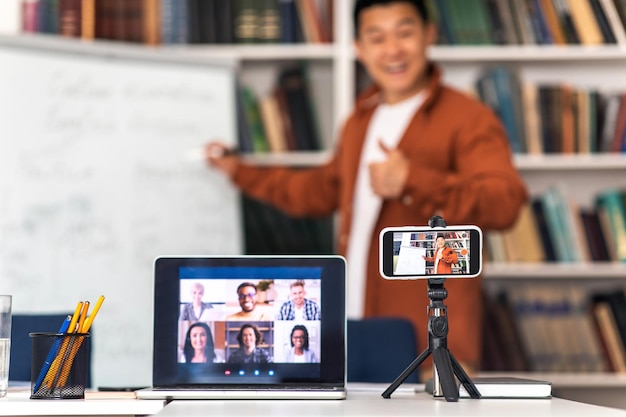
(59, 365)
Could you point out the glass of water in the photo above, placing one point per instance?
(5, 342)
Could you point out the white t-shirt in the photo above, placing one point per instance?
(388, 124)
(299, 314)
(437, 252)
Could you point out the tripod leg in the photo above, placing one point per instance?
(464, 378)
(441, 357)
(404, 375)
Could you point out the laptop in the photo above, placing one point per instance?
(261, 327)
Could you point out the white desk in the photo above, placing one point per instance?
(19, 404)
(362, 401)
(401, 403)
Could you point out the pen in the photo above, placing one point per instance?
(55, 346)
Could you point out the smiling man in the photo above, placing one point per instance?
(412, 148)
(247, 297)
(299, 308)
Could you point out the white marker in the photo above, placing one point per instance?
(196, 154)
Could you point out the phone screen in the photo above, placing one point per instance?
(410, 253)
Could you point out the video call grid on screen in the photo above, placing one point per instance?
(410, 248)
(221, 306)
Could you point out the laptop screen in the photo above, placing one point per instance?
(249, 320)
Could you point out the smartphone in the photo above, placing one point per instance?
(425, 252)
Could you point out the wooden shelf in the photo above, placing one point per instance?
(598, 161)
(114, 49)
(591, 162)
(301, 158)
(526, 53)
(523, 53)
(555, 270)
(270, 52)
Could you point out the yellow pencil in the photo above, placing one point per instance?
(75, 317)
(83, 315)
(92, 316)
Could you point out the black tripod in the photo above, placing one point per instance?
(445, 365)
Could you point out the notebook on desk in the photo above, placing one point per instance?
(261, 327)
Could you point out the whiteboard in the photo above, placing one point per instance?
(96, 181)
(411, 261)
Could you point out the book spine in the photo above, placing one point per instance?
(269, 23)
(29, 16)
(611, 202)
(193, 20)
(246, 21)
(538, 23)
(613, 17)
(293, 81)
(88, 19)
(224, 21)
(70, 18)
(500, 35)
(166, 21)
(254, 121)
(552, 21)
(150, 23)
(42, 11)
(585, 23)
(603, 22)
(567, 23)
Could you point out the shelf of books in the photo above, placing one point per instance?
(549, 327)
(553, 228)
(179, 22)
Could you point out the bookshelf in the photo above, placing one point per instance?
(334, 79)
(582, 177)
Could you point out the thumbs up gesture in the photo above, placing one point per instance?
(388, 177)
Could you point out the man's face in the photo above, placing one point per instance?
(392, 43)
(298, 338)
(247, 298)
(297, 295)
(441, 242)
(248, 337)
